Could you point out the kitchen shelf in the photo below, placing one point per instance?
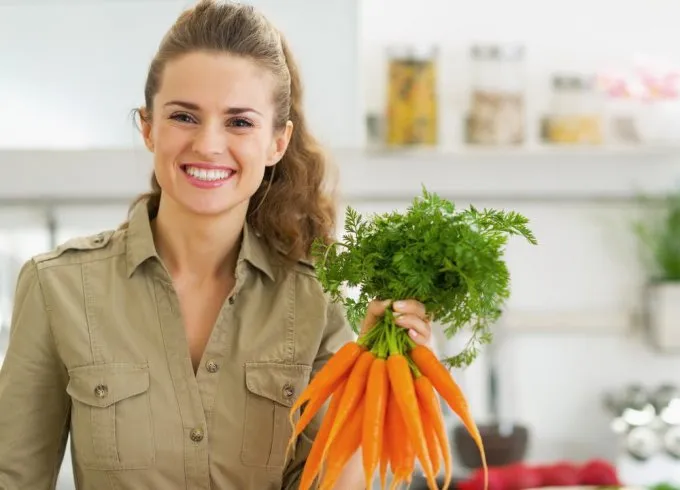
(533, 173)
(571, 321)
(529, 150)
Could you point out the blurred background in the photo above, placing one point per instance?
(565, 112)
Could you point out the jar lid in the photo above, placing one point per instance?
(412, 52)
(572, 81)
(508, 52)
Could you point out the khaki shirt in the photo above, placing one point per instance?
(98, 351)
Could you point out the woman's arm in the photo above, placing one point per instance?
(337, 332)
(34, 406)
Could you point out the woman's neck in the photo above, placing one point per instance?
(198, 248)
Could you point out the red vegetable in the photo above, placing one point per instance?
(598, 472)
(520, 477)
(476, 480)
(559, 474)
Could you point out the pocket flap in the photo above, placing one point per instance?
(276, 381)
(103, 385)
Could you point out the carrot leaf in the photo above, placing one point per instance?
(449, 259)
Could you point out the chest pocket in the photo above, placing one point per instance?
(271, 390)
(111, 425)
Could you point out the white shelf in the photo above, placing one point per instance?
(590, 321)
(538, 173)
(526, 151)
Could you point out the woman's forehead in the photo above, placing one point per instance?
(213, 80)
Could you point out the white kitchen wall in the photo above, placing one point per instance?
(74, 69)
(572, 331)
(585, 269)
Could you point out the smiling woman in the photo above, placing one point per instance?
(172, 349)
(237, 94)
(214, 129)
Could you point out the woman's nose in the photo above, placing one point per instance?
(210, 140)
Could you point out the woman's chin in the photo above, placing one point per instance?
(213, 206)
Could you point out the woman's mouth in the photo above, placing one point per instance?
(203, 176)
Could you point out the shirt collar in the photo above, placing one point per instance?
(140, 243)
(141, 246)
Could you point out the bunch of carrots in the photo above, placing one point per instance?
(384, 393)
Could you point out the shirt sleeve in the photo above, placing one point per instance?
(34, 406)
(336, 334)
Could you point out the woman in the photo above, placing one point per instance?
(172, 348)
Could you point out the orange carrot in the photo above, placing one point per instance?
(344, 446)
(401, 381)
(315, 456)
(400, 449)
(428, 364)
(314, 406)
(393, 451)
(336, 367)
(374, 417)
(431, 439)
(354, 391)
(384, 463)
(385, 453)
(430, 404)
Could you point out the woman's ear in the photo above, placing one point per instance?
(145, 123)
(280, 144)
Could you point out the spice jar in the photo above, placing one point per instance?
(497, 100)
(575, 115)
(411, 112)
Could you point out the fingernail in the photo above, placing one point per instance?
(413, 334)
(399, 304)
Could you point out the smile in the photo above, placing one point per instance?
(207, 174)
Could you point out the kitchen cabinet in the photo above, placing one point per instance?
(78, 220)
(23, 233)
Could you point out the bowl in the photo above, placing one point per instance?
(500, 449)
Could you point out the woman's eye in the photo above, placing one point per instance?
(182, 117)
(240, 123)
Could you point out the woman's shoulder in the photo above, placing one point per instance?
(305, 267)
(79, 249)
(304, 271)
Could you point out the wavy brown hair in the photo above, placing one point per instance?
(295, 203)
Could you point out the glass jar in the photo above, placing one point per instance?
(411, 111)
(575, 115)
(497, 96)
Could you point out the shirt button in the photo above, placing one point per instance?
(212, 366)
(231, 300)
(288, 390)
(196, 435)
(100, 391)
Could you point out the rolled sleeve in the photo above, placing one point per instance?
(34, 406)
(336, 334)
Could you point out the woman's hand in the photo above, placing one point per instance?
(409, 314)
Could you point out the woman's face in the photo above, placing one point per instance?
(211, 131)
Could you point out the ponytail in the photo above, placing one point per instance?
(296, 202)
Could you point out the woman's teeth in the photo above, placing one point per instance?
(208, 175)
